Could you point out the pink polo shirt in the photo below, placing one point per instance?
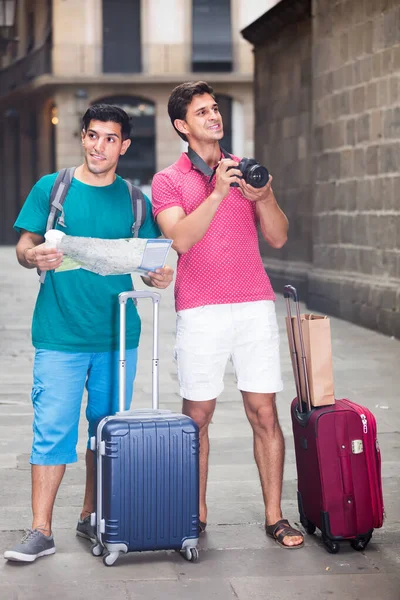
(225, 266)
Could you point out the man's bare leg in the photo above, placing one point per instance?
(269, 454)
(88, 502)
(45, 483)
(201, 413)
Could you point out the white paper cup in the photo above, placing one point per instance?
(53, 239)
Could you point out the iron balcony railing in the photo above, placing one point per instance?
(77, 60)
(25, 69)
(150, 59)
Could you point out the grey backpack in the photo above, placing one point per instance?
(59, 193)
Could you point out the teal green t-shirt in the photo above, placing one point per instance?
(78, 311)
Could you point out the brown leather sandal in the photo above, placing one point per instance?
(280, 530)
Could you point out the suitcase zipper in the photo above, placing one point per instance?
(365, 423)
(374, 471)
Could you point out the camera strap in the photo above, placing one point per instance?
(201, 165)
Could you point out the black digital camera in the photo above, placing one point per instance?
(252, 172)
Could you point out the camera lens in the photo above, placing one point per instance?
(257, 176)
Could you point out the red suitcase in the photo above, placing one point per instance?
(338, 462)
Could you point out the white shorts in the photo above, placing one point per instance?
(208, 336)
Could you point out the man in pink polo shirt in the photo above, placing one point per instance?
(224, 299)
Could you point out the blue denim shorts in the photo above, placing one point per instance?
(59, 379)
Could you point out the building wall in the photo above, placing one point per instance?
(77, 37)
(356, 113)
(67, 59)
(9, 181)
(327, 97)
(44, 134)
(40, 9)
(166, 51)
(168, 143)
(283, 143)
(167, 36)
(42, 19)
(68, 142)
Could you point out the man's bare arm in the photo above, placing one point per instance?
(273, 221)
(187, 230)
(33, 254)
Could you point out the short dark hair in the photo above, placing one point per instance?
(108, 112)
(181, 97)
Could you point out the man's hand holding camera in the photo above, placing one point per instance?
(264, 194)
(254, 182)
(226, 174)
(253, 179)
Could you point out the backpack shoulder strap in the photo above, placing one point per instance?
(58, 194)
(139, 207)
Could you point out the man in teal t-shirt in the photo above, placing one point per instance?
(75, 327)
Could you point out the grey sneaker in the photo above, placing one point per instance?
(33, 544)
(85, 529)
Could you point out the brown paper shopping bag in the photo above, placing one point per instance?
(318, 352)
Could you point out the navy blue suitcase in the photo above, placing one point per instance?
(147, 474)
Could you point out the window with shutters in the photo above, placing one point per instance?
(30, 31)
(225, 108)
(211, 36)
(121, 36)
(33, 137)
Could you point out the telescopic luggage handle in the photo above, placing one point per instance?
(290, 292)
(123, 299)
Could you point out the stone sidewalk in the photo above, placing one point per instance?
(236, 561)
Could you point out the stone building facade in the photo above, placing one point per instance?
(70, 54)
(327, 108)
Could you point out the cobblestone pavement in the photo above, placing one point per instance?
(237, 561)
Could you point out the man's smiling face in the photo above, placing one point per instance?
(103, 145)
(203, 121)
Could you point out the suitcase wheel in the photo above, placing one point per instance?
(332, 547)
(308, 526)
(97, 550)
(109, 558)
(361, 543)
(191, 554)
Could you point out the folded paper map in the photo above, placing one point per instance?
(109, 257)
